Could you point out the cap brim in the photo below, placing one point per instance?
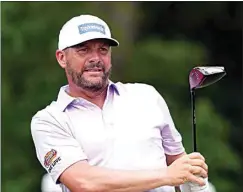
(111, 41)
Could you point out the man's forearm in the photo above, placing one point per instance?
(99, 179)
(123, 181)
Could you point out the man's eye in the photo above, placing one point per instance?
(83, 50)
(103, 50)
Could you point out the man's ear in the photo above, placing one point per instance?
(61, 58)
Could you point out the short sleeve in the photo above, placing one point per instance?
(56, 148)
(172, 140)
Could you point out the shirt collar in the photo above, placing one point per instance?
(64, 99)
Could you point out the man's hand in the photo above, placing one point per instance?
(188, 168)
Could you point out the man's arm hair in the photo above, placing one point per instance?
(81, 177)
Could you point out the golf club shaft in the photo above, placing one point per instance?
(194, 138)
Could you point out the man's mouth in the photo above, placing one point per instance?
(94, 70)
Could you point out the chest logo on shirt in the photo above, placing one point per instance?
(50, 159)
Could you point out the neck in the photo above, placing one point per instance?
(97, 97)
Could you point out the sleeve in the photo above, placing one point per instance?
(56, 148)
(171, 138)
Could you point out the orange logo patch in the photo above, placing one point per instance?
(49, 157)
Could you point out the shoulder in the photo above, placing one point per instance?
(137, 88)
(50, 115)
(50, 121)
(46, 112)
(141, 92)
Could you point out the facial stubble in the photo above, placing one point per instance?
(81, 81)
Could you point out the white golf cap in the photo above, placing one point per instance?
(83, 28)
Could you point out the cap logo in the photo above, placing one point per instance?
(91, 27)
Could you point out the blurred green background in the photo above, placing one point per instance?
(160, 43)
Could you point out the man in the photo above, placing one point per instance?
(105, 136)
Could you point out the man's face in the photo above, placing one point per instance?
(88, 65)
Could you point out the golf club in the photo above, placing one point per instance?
(200, 77)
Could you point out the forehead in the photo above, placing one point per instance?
(92, 42)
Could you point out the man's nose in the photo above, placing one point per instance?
(94, 57)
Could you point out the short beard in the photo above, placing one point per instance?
(79, 80)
